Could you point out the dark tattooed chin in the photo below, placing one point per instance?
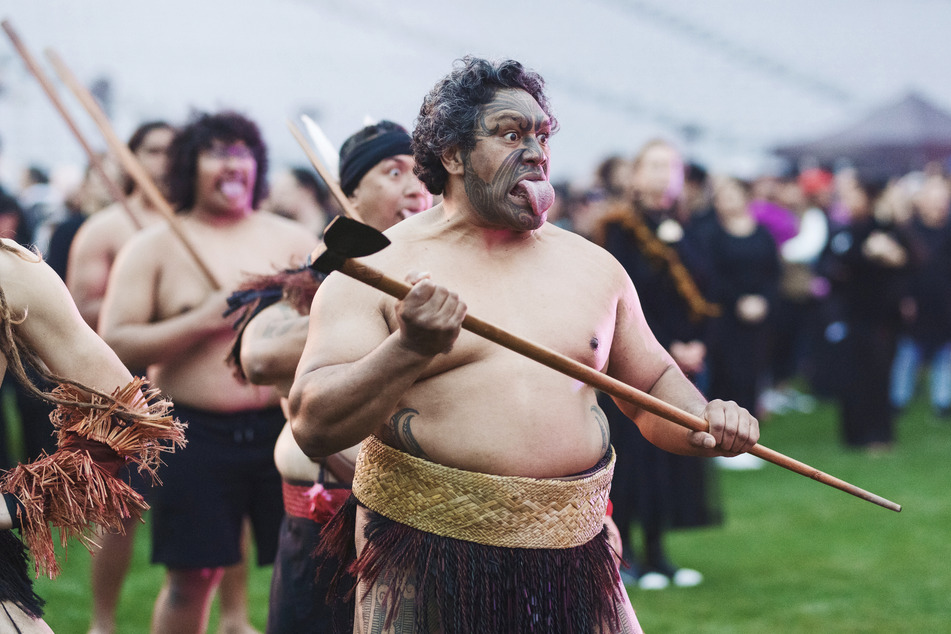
(491, 200)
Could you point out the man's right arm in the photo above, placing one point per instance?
(354, 372)
(128, 319)
(271, 346)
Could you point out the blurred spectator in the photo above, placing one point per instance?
(863, 262)
(13, 222)
(745, 283)
(696, 199)
(654, 488)
(91, 196)
(300, 195)
(42, 206)
(781, 222)
(926, 303)
(613, 178)
(796, 313)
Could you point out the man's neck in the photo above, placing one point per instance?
(218, 217)
(459, 218)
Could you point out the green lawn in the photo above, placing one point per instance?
(793, 555)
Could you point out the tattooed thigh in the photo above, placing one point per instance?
(391, 596)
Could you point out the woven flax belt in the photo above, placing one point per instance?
(505, 511)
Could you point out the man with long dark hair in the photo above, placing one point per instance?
(160, 312)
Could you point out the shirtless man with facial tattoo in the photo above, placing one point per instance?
(481, 487)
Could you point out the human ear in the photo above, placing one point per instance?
(452, 161)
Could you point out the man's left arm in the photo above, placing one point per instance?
(637, 359)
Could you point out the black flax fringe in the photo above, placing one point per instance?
(464, 587)
(16, 585)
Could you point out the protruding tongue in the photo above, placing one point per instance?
(540, 194)
(232, 189)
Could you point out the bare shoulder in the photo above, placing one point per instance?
(577, 251)
(25, 277)
(107, 229)
(147, 246)
(289, 235)
(112, 217)
(16, 262)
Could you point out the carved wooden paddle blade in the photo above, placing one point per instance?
(345, 238)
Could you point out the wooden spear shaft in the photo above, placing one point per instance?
(576, 370)
(609, 385)
(331, 180)
(130, 163)
(94, 160)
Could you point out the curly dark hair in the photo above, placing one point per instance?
(449, 112)
(200, 133)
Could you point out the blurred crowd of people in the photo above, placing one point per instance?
(824, 284)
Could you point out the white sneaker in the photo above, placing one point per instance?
(687, 578)
(653, 581)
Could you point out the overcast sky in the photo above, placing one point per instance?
(726, 79)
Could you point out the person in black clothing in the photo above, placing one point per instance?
(745, 283)
(651, 487)
(863, 262)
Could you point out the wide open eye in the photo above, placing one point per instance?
(511, 136)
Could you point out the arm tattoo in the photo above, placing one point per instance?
(603, 425)
(400, 426)
(275, 330)
(290, 321)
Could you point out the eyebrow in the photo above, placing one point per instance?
(520, 119)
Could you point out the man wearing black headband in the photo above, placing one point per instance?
(376, 173)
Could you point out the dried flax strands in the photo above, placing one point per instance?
(76, 489)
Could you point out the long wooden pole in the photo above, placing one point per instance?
(576, 370)
(130, 163)
(348, 209)
(609, 385)
(94, 160)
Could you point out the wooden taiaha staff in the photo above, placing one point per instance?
(130, 163)
(94, 160)
(345, 238)
(325, 174)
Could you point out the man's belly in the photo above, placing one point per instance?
(207, 383)
(535, 428)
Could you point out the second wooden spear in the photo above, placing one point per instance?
(94, 160)
(130, 163)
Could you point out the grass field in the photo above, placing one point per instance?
(793, 555)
